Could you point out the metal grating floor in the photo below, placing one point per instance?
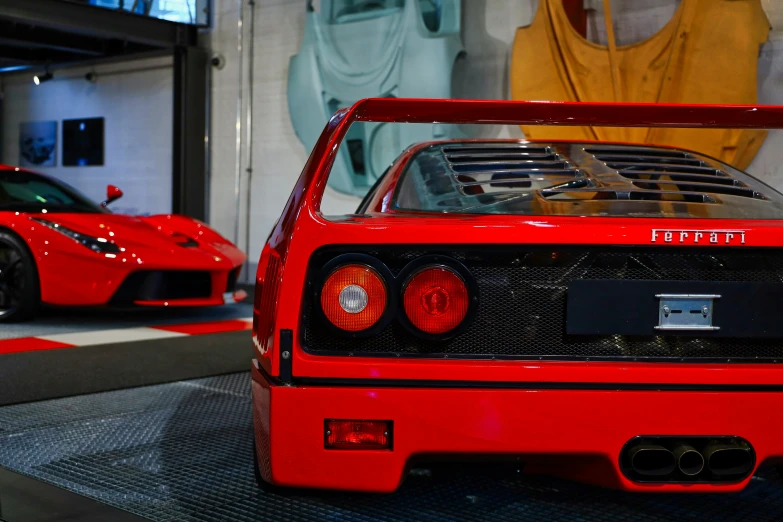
(183, 451)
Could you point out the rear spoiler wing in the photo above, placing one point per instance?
(309, 190)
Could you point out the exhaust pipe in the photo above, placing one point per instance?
(728, 459)
(689, 461)
(651, 460)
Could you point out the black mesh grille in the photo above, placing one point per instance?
(522, 310)
(158, 285)
(231, 283)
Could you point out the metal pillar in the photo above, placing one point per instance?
(191, 98)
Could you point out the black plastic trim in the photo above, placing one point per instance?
(442, 250)
(286, 351)
(499, 357)
(529, 385)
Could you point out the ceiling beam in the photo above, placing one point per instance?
(98, 22)
(22, 35)
(36, 56)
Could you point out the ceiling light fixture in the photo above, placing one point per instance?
(38, 79)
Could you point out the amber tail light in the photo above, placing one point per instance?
(357, 434)
(353, 297)
(435, 300)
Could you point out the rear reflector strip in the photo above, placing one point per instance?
(357, 434)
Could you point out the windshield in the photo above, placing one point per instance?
(23, 191)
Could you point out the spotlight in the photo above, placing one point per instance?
(91, 77)
(39, 79)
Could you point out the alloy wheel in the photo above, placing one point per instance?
(12, 280)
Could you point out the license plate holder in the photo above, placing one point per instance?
(749, 309)
(686, 312)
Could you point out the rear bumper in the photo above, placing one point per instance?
(574, 433)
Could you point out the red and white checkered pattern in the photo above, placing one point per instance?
(121, 335)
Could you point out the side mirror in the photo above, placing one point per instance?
(112, 194)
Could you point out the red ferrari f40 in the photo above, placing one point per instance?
(604, 312)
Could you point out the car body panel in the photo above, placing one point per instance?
(572, 433)
(71, 274)
(391, 53)
(505, 405)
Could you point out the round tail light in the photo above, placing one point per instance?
(353, 297)
(436, 300)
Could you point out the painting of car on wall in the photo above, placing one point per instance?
(38, 143)
(354, 49)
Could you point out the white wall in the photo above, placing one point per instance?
(135, 100)
(278, 156)
(489, 26)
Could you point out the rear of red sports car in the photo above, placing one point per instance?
(603, 312)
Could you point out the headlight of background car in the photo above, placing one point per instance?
(96, 244)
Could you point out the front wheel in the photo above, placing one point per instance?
(19, 294)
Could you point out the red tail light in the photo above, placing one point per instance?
(357, 434)
(353, 297)
(265, 304)
(436, 300)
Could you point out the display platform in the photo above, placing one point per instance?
(183, 452)
(70, 352)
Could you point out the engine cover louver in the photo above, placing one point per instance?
(564, 178)
(481, 169)
(672, 171)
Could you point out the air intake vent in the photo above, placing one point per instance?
(509, 168)
(672, 173)
(578, 179)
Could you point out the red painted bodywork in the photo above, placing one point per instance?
(72, 275)
(571, 432)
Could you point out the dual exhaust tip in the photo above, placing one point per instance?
(687, 459)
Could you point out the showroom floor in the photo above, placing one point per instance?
(62, 321)
(183, 451)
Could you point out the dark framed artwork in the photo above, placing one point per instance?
(38, 144)
(83, 142)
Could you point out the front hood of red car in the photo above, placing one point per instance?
(144, 236)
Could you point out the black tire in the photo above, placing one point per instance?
(19, 290)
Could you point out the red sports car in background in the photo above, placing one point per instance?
(59, 248)
(604, 312)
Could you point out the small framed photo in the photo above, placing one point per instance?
(83, 142)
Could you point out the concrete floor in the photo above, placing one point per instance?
(58, 321)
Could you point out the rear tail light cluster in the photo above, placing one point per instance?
(435, 300)
(353, 297)
(358, 295)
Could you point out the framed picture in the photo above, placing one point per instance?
(83, 142)
(38, 144)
